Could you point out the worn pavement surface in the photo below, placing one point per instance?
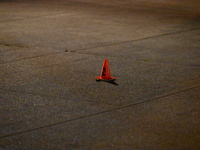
(51, 51)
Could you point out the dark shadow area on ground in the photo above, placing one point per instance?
(111, 82)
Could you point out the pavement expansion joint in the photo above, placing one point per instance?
(50, 54)
(14, 45)
(98, 113)
(31, 57)
(167, 63)
(77, 52)
(134, 40)
(35, 17)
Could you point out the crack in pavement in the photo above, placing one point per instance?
(141, 39)
(99, 113)
(112, 44)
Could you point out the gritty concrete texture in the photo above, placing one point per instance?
(51, 52)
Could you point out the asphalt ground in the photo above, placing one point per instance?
(51, 52)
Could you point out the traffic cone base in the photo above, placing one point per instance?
(105, 79)
(105, 73)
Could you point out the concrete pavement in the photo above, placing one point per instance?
(51, 51)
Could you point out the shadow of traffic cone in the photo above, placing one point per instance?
(105, 73)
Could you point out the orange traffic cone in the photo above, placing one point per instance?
(105, 72)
